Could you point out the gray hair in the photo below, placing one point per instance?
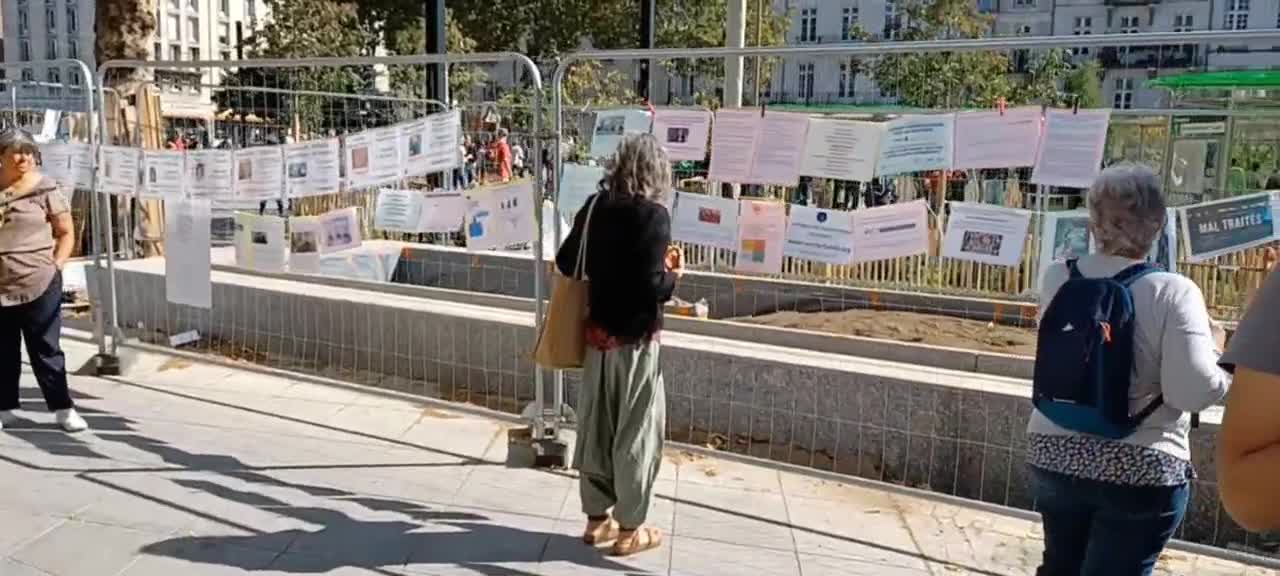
(1126, 210)
(639, 168)
(17, 138)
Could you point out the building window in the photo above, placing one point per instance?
(848, 21)
(175, 5)
(1024, 3)
(806, 81)
(1237, 17)
(24, 25)
(193, 31)
(157, 51)
(809, 25)
(250, 8)
(175, 53)
(1123, 99)
(73, 77)
(24, 50)
(226, 55)
(55, 81)
(224, 7)
(1130, 25)
(1083, 26)
(73, 20)
(51, 48)
(51, 17)
(28, 75)
(73, 49)
(848, 79)
(891, 23)
(1184, 23)
(224, 34)
(194, 5)
(195, 54)
(175, 28)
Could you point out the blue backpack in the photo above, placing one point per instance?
(1084, 355)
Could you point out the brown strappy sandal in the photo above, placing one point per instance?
(600, 532)
(636, 541)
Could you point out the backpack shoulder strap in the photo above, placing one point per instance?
(1073, 266)
(1133, 273)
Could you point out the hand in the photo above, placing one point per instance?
(674, 261)
(1219, 334)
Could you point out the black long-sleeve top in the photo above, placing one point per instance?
(625, 263)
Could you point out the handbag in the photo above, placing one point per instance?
(562, 344)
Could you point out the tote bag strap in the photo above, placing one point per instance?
(580, 268)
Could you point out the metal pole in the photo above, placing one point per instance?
(735, 31)
(648, 24)
(436, 40)
(759, 42)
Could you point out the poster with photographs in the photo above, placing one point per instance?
(683, 132)
(164, 174)
(340, 230)
(397, 211)
(304, 245)
(414, 143)
(260, 243)
(1225, 226)
(705, 220)
(187, 262)
(613, 125)
(819, 235)
(119, 173)
(762, 232)
(372, 158)
(986, 233)
(311, 168)
(259, 173)
(501, 216)
(1066, 236)
(443, 211)
(210, 175)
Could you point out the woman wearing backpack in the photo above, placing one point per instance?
(1111, 488)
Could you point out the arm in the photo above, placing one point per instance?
(656, 242)
(1189, 374)
(64, 234)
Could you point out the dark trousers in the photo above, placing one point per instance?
(39, 322)
(1102, 529)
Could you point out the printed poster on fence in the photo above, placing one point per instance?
(841, 149)
(260, 243)
(986, 233)
(779, 149)
(311, 168)
(916, 144)
(304, 244)
(577, 183)
(210, 175)
(340, 230)
(187, 266)
(683, 133)
(1065, 236)
(762, 231)
(500, 217)
(1071, 148)
(259, 173)
(372, 158)
(1006, 139)
(397, 211)
(614, 125)
(705, 220)
(443, 211)
(1225, 226)
(119, 170)
(164, 174)
(892, 231)
(442, 142)
(733, 144)
(414, 143)
(819, 235)
(70, 164)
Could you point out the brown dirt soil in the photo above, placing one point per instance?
(909, 327)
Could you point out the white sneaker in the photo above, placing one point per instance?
(71, 421)
(7, 417)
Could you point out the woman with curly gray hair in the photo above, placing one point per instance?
(1110, 506)
(622, 404)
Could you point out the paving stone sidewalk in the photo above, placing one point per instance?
(203, 470)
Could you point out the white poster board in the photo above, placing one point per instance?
(986, 233)
(683, 132)
(779, 149)
(372, 158)
(893, 231)
(259, 173)
(733, 144)
(340, 230)
(502, 216)
(414, 144)
(397, 211)
(819, 235)
(210, 175)
(917, 144)
(443, 135)
(762, 231)
(577, 183)
(260, 242)
(71, 165)
(1006, 139)
(304, 244)
(841, 149)
(705, 220)
(1066, 236)
(311, 168)
(614, 125)
(443, 211)
(187, 265)
(1071, 148)
(119, 174)
(164, 174)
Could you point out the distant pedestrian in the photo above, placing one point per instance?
(518, 159)
(500, 152)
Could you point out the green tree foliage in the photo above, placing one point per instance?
(1085, 83)
(700, 24)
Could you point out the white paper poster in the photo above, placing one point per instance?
(1066, 236)
(779, 149)
(683, 132)
(164, 174)
(71, 165)
(210, 175)
(819, 235)
(442, 137)
(372, 157)
(259, 173)
(997, 140)
(500, 217)
(1164, 253)
(119, 174)
(612, 126)
(49, 129)
(1071, 148)
(705, 220)
(893, 231)
(260, 242)
(841, 149)
(414, 143)
(916, 144)
(733, 144)
(443, 211)
(577, 183)
(986, 233)
(398, 211)
(340, 230)
(304, 245)
(311, 168)
(762, 231)
(187, 266)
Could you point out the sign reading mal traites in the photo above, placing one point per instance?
(1224, 226)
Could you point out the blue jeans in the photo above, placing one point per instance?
(1096, 528)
